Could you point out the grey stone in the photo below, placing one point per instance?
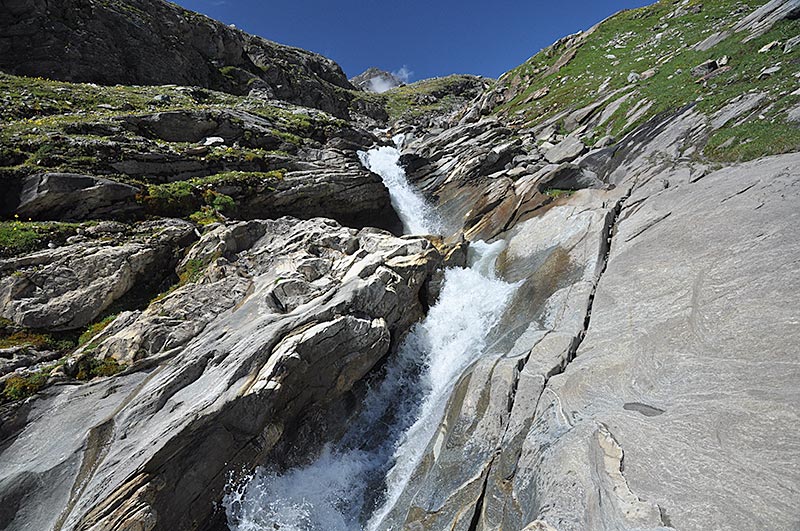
(67, 287)
(69, 196)
(793, 115)
(566, 150)
(762, 19)
(739, 106)
(226, 398)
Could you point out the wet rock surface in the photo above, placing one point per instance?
(630, 328)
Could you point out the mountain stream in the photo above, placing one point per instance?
(355, 481)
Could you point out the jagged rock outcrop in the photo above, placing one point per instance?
(67, 287)
(91, 41)
(376, 80)
(634, 303)
(301, 311)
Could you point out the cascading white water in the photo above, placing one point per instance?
(417, 215)
(355, 482)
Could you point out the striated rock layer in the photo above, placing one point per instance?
(286, 318)
(635, 384)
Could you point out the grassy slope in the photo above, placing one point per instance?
(650, 37)
(430, 97)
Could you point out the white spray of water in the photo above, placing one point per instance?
(382, 83)
(417, 215)
(356, 481)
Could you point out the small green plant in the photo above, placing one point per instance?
(558, 192)
(205, 216)
(95, 329)
(191, 272)
(91, 367)
(18, 387)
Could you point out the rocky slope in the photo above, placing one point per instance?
(164, 329)
(376, 80)
(148, 42)
(631, 387)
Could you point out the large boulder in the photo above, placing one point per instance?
(67, 287)
(301, 311)
(73, 197)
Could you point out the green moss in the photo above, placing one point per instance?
(20, 237)
(95, 328)
(178, 198)
(752, 140)
(557, 192)
(26, 338)
(191, 272)
(205, 216)
(90, 367)
(187, 198)
(18, 387)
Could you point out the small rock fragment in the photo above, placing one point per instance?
(212, 141)
(768, 71)
(768, 47)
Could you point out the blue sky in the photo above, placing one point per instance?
(429, 38)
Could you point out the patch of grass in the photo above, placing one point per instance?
(20, 237)
(26, 338)
(658, 40)
(94, 329)
(752, 140)
(205, 216)
(90, 367)
(558, 192)
(430, 97)
(18, 387)
(187, 198)
(12, 336)
(191, 272)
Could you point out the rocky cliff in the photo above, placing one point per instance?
(197, 280)
(146, 42)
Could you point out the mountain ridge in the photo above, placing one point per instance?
(200, 278)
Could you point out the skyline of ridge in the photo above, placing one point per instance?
(466, 37)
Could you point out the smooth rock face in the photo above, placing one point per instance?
(301, 311)
(651, 366)
(68, 196)
(681, 324)
(567, 149)
(67, 287)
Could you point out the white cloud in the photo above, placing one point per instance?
(404, 74)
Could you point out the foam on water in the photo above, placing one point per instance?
(355, 482)
(417, 215)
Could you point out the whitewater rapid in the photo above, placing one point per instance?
(355, 482)
(417, 215)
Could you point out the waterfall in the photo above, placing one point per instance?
(417, 215)
(355, 481)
